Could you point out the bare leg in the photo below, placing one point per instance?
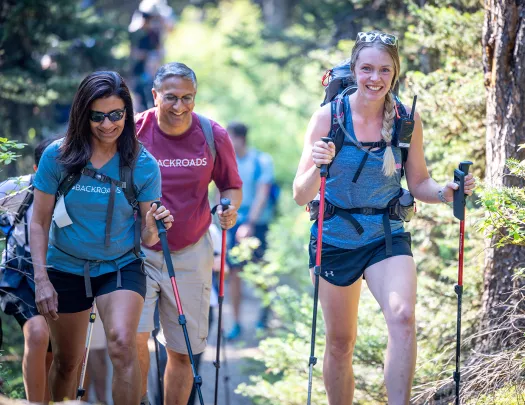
(98, 371)
(143, 354)
(120, 313)
(178, 370)
(236, 293)
(36, 338)
(340, 306)
(49, 360)
(68, 338)
(393, 284)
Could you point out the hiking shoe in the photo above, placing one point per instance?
(235, 332)
(145, 400)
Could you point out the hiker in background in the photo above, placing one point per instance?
(148, 28)
(255, 213)
(85, 242)
(359, 240)
(191, 151)
(17, 287)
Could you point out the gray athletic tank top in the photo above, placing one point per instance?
(373, 190)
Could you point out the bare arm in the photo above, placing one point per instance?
(45, 295)
(262, 194)
(149, 213)
(420, 184)
(315, 152)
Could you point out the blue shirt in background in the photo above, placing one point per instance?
(255, 168)
(87, 204)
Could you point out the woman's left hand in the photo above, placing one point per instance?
(470, 185)
(155, 213)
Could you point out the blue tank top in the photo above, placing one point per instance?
(372, 190)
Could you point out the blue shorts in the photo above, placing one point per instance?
(343, 267)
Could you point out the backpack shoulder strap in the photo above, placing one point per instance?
(26, 203)
(126, 177)
(67, 184)
(208, 134)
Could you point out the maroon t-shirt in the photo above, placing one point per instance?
(187, 168)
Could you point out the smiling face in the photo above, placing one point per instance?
(374, 72)
(107, 132)
(175, 101)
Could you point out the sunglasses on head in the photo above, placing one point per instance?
(387, 39)
(114, 116)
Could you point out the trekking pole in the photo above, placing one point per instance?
(81, 391)
(317, 272)
(157, 359)
(459, 213)
(197, 379)
(225, 203)
(226, 374)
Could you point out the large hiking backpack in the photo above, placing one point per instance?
(16, 263)
(339, 82)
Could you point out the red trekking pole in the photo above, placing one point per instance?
(225, 203)
(459, 213)
(81, 391)
(317, 272)
(197, 379)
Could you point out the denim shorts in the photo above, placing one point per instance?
(343, 267)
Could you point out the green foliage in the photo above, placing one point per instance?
(505, 207)
(511, 395)
(7, 150)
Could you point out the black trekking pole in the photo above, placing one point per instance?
(157, 359)
(226, 374)
(225, 203)
(197, 379)
(459, 213)
(81, 391)
(317, 272)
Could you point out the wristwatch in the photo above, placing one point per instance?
(442, 197)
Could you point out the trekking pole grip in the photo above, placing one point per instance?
(324, 168)
(159, 222)
(225, 203)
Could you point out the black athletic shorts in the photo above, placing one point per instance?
(343, 267)
(71, 289)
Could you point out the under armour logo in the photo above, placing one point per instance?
(328, 273)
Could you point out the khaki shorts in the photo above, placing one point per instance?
(193, 273)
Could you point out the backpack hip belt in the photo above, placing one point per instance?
(400, 208)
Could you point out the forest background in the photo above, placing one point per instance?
(261, 62)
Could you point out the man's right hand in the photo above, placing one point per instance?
(46, 298)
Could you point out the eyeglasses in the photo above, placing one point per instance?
(171, 99)
(114, 116)
(387, 39)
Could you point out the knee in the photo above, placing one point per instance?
(66, 365)
(36, 336)
(341, 347)
(121, 347)
(178, 358)
(402, 316)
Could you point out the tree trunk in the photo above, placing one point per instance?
(504, 66)
(277, 13)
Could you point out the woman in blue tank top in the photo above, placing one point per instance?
(85, 244)
(356, 247)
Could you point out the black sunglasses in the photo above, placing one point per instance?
(114, 116)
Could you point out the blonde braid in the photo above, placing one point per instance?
(389, 112)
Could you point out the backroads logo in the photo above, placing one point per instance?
(182, 162)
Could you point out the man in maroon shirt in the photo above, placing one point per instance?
(173, 134)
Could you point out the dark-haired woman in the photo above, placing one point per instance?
(83, 242)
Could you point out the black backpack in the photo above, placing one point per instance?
(339, 82)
